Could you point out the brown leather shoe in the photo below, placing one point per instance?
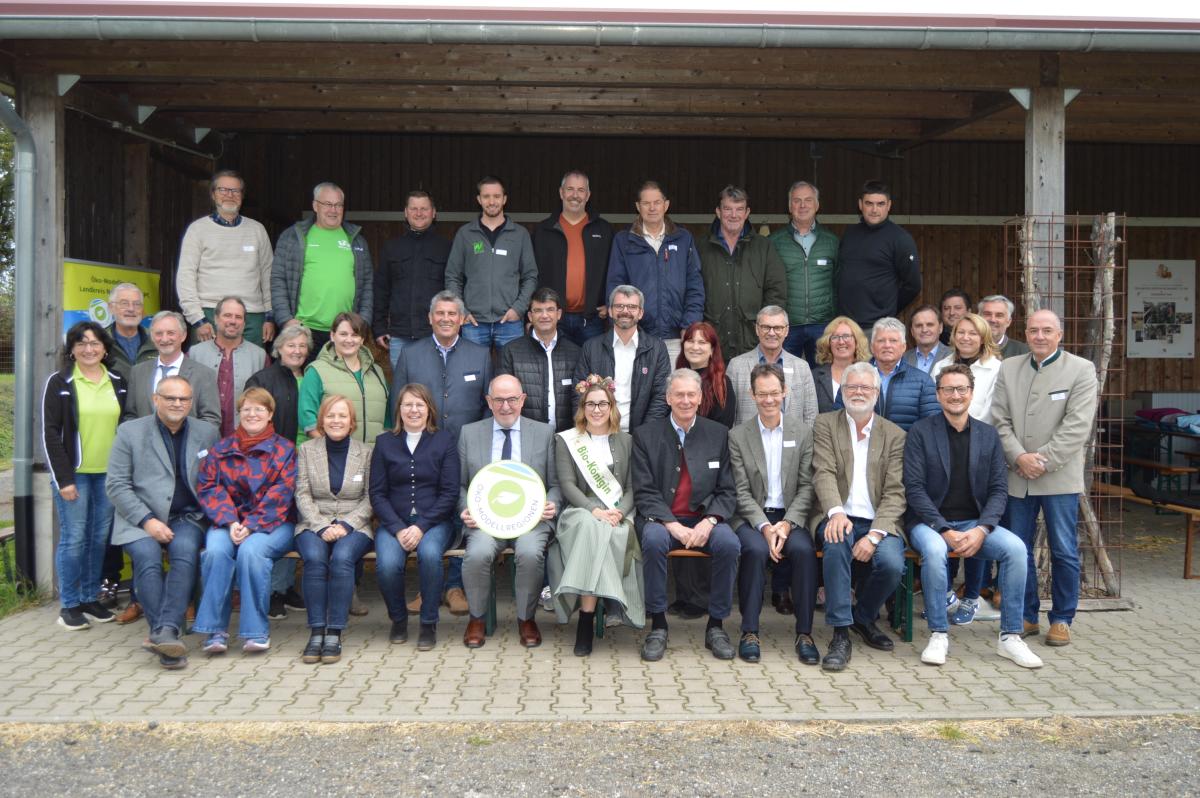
(531, 637)
(1059, 634)
(1030, 629)
(415, 604)
(456, 600)
(130, 614)
(475, 635)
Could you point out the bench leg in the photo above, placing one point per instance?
(903, 604)
(1189, 535)
(600, 619)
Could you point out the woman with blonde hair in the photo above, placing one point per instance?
(842, 344)
(974, 347)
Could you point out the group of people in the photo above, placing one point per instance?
(661, 390)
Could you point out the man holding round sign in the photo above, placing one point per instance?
(509, 496)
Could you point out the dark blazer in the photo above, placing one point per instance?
(651, 367)
(426, 479)
(940, 351)
(1012, 347)
(656, 459)
(749, 462)
(206, 403)
(279, 380)
(827, 400)
(927, 472)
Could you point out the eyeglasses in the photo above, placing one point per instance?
(768, 394)
(603, 405)
(627, 307)
(841, 337)
(955, 390)
(410, 406)
(125, 304)
(858, 389)
(330, 205)
(229, 192)
(778, 329)
(253, 410)
(174, 400)
(511, 401)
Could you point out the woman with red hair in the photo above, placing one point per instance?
(700, 350)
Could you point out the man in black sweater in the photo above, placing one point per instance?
(879, 271)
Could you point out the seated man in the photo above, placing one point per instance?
(858, 478)
(771, 456)
(684, 492)
(151, 483)
(956, 483)
(506, 436)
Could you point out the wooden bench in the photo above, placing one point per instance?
(1167, 473)
(1191, 514)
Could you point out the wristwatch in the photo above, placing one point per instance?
(874, 540)
(712, 519)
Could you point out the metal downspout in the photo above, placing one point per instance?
(25, 168)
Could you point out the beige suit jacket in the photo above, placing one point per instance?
(749, 462)
(833, 467)
(315, 501)
(1049, 411)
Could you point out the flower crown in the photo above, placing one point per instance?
(595, 381)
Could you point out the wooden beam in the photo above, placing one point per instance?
(119, 109)
(556, 124)
(983, 106)
(544, 99)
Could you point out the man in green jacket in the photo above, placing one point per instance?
(809, 252)
(742, 272)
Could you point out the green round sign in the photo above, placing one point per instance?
(506, 498)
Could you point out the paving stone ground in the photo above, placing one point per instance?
(1138, 662)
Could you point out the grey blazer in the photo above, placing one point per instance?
(749, 462)
(537, 451)
(141, 475)
(316, 503)
(574, 487)
(206, 404)
(939, 352)
(802, 394)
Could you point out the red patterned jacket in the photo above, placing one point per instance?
(255, 487)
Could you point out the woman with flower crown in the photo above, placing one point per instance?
(595, 555)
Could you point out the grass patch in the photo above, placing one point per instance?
(951, 733)
(6, 421)
(11, 599)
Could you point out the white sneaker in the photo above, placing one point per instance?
(935, 652)
(546, 599)
(986, 612)
(1012, 647)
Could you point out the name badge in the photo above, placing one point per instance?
(566, 381)
(789, 444)
(200, 455)
(788, 369)
(502, 252)
(357, 478)
(247, 247)
(672, 248)
(1058, 396)
(468, 378)
(822, 261)
(714, 463)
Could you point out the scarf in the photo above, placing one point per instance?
(246, 441)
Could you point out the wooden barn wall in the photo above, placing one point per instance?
(946, 178)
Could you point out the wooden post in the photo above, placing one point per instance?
(1045, 188)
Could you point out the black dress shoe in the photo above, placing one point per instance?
(312, 651)
(331, 649)
(399, 632)
(873, 636)
(427, 638)
(806, 650)
(839, 651)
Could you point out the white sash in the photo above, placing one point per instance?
(598, 475)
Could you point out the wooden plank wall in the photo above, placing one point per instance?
(950, 178)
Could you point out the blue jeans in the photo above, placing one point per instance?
(329, 576)
(1001, 545)
(251, 563)
(390, 561)
(283, 576)
(976, 572)
(164, 596)
(722, 544)
(493, 333)
(879, 581)
(579, 328)
(1061, 512)
(801, 341)
(84, 528)
(396, 344)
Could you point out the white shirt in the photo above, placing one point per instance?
(623, 355)
(172, 371)
(548, 348)
(772, 441)
(498, 440)
(655, 241)
(412, 438)
(858, 501)
(600, 449)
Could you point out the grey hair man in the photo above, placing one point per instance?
(133, 345)
(168, 330)
(997, 310)
(906, 393)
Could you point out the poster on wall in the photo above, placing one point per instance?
(86, 285)
(1162, 309)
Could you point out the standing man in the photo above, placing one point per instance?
(858, 476)
(926, 326)
(997, 311)
(685, 496)
(168, 330)
(491, 266)
(956, 485)
(231, 356)
(572, 248)
(907, 393)
(544, 361)
(742, 272)
(636, 360)
(412, 268)
(1043, 407)
(133, 344)
(659, 258)
(226, 254)
(151, 483)
(507, 436)
(955, 304)
(771, 326)
(879, 271)
(322, 268)
(810, 258)
(771, 455)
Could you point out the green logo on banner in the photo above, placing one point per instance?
(506, 498)
(478, 247)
